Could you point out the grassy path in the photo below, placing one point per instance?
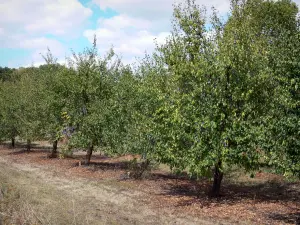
(35, 195)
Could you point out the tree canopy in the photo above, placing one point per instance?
(218, 93)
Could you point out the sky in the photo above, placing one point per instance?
(131, 27)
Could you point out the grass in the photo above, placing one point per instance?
(17, 206)
(35, 191)
(27, 200)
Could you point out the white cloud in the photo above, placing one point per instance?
(154, 9)
(159, 12)
(25, 24)
(133, 31)
(57, 17)
(123, 21)
(129, 36)
(39, 47)
(158, 9)
(40, 43)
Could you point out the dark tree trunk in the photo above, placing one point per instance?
(218, 176)
(28, 145)
(145, 165)
(54, 150)
(13, 142)
(89, 155)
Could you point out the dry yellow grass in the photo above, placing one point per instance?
(33, 195)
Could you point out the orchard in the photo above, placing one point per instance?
(217, 94)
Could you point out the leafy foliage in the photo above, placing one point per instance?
(212, 97)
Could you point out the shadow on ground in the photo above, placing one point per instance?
(288, 218)
(21, 147)
(271, 191)
(258, 191)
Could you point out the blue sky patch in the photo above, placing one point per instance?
(13, 57)
(17, 57)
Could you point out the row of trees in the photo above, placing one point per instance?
(216, 94)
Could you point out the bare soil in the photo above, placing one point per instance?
(37, 190)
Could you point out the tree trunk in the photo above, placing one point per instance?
(13, 142)
(54, 150)
(28, 145)
(89, 155)
(218, 176)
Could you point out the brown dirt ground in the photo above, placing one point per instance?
(163, 198)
